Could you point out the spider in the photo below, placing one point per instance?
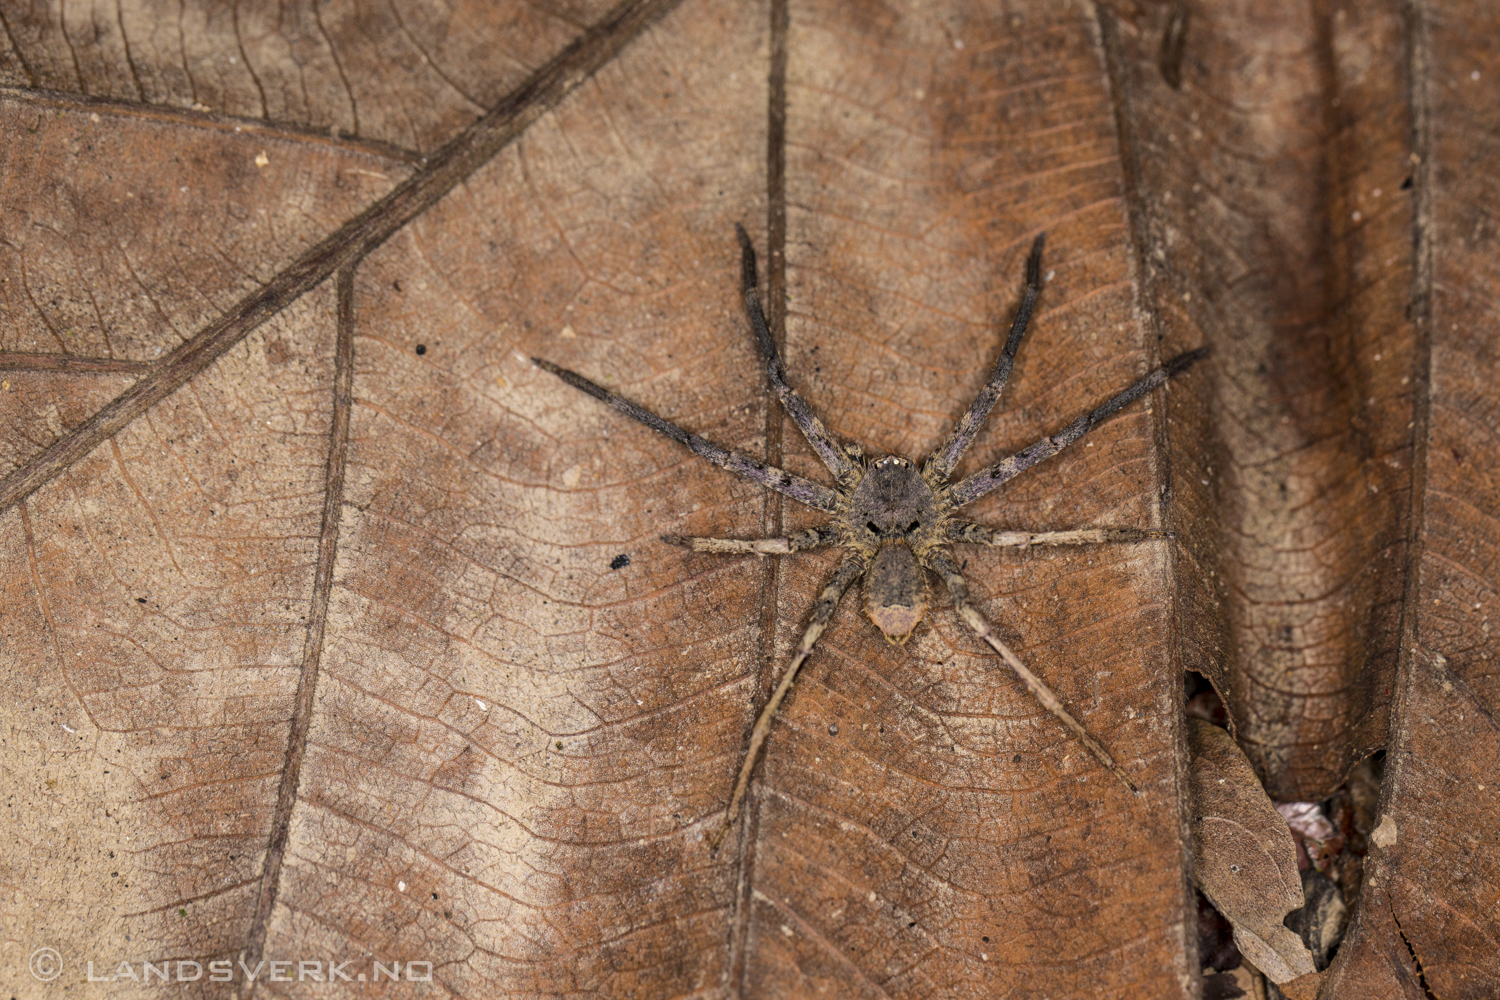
(897, 522)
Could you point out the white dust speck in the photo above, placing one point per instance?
(571, 477)
(568, 333)
(401, 886)
(72, 730)
(1356, 216)
(787, 930)
(262, 160)
(482, 706)
(1474, 75)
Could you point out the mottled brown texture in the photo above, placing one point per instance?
(1428, 919)
(473, 736)
(1275, 224)
(1315, 196)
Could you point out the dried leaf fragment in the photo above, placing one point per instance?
(1246, 859)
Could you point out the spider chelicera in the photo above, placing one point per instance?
(897, 522)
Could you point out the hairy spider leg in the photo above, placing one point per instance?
(977, 534)
(845, 472)
(801, 541)
(941, 463)
(940, 561)
(802, 490)
(982, 482)
(849, 570)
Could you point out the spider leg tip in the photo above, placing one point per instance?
(1186, 360)
(674, 539)
(717, 840)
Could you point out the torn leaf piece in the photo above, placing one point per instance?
(1246, 859)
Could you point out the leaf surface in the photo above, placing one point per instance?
(321, 642)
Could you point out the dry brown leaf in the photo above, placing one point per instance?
(314, 639)
(1244, 857)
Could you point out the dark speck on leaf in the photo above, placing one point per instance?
(421, 348)
(140, 600)
(620, 561)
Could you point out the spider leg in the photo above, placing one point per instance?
(940, 463)
(847, 572)
(802, 490)
(980, 483)
(812, 538)
(941, 563)
(845, 472)
(977, 534)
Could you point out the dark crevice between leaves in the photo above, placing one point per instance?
(450, 166)
(317, 619)
(1410, 950)
(1418, 68)
(773, 520)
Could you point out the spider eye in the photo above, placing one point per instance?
(913, 526)
(873, 527)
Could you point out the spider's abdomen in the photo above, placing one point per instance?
(895, 591)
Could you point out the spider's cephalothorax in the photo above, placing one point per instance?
(894, 521)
